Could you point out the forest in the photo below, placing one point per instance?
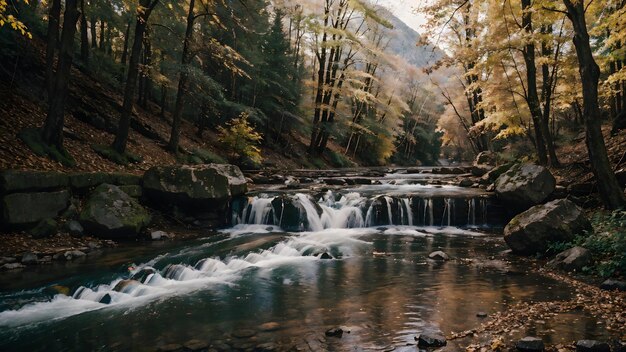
(313, 175)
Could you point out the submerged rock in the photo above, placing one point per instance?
(573, 259)
(431, 339)
(243, 333)
(533, 230)
(592, 346)
(13, 266)
(530, 344)
(196, 345)
(29, 258)
(525, 185)
(439, 255)
(290, 214)
(109, 212)
(334, 332)
(125, 285)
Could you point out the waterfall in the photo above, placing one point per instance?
(315, 223)
(353, 210)
(389, 202)
(471, 212)
(409, 212)
(448, 210)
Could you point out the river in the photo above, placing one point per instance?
(294, 264)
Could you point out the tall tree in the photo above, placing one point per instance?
(54, 16)
(143, 13)
(610, 191)
(532, 97)
(84, 40)
(182, 81)
(52, 131)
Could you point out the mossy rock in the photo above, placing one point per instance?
(134, 191)
(20, 209)
(534, 230)
(208, 156)
(84, 180)
(45, 228)
(109, 212)
(12, 181)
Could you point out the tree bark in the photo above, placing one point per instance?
(532, 97)
(121, 137)
(546, 97)
(94, 36)
(124, 57)
(609, 189)
(84, 40)
(102, 32)
(53, 37)
(182, 82)
(52, 131)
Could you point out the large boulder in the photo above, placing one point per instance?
(12, 181)
(194, 183)
(573, 259)
(525, 185)
(109, 212)
(533, 230)
(22, 209)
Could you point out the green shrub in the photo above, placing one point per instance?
(607, 243)
(241, 140)
(338, 160)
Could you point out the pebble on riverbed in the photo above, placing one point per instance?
(530, 344)
(592, 346)
(439, 255)
(334, 332)
(431, 339)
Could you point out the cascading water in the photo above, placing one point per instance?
(283, 257)
(302, 212)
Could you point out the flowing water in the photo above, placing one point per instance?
(355, 258)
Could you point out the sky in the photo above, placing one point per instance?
(407, 11)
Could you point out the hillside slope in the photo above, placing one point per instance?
(92, 111)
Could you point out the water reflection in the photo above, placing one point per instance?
(383, 290)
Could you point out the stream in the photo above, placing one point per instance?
(294, 264)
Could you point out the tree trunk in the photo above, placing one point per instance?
(147, 84)
(532, 98)
(53, 37)
(52, 131)
(125, 50)
(119, 144)
(84, 40)
(546, 95)
(94, 37)
(182, 83)
(102, 32)
(610, 191)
